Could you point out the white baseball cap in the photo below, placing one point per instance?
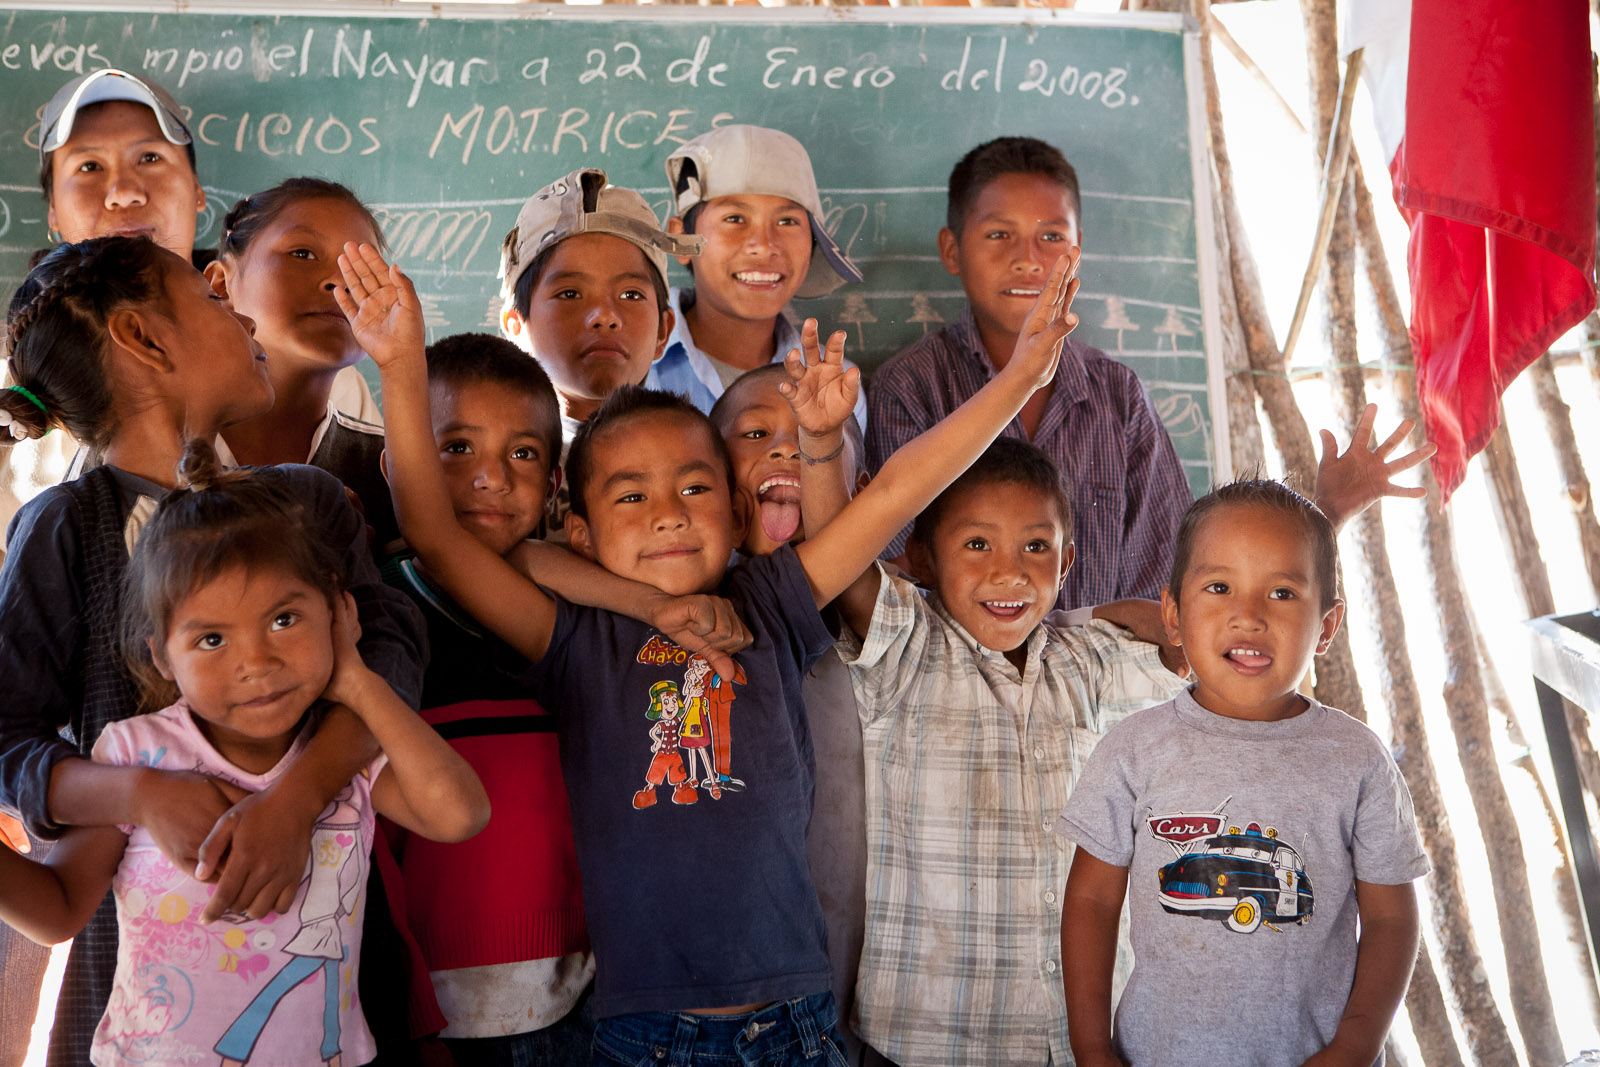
(583, 202)
(100, 87)
(738, 159)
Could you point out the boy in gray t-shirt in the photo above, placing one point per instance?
(1248, 826)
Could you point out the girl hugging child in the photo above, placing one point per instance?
(124, 344)
(237, 624)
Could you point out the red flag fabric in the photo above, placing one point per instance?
(1496, 175)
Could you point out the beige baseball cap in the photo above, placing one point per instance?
(731, 160)
(582, 202)
(100, 87)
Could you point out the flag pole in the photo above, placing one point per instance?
(1333, 170)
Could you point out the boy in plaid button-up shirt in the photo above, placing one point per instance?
(977, 715)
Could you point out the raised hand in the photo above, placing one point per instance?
(381, 304)
(348, 667)
(1038, 350)
(821, 389)
(1349, 483)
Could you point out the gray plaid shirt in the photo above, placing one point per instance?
(968, 763)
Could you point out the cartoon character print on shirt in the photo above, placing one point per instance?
(666, 753)
(329, 895)
(691, 736)
(1244, 877)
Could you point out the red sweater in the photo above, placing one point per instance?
(512, 892)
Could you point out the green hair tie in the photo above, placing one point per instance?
(36, 402)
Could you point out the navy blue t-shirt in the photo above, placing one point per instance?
(690, 797)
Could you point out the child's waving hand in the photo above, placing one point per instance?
(381, 304)
(821, 390)
(1350, 482)
(1039, 343)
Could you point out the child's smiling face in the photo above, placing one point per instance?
(757, 254)
(1018, 225)
(997, 559)
(1249, 613)
(660, 509)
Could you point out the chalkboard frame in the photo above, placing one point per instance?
(423, 10)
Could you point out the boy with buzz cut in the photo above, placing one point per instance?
(750, 194)
(763, 438)
(1266, 845)
(1013, 206)
(707, 935)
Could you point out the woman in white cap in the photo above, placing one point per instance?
(116, 156)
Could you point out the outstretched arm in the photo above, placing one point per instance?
(386, 318)
(1350, 482)
(836, 556)
(1385, 954)
(1090, 913)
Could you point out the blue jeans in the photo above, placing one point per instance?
(800, 1032)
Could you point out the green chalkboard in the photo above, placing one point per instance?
(445, 124)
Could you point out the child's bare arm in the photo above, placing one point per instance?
(1142, 618)
(1390, 934)
(51, 901)
(386, 318)
(704, 624)
(1089, 915)
(1351, 482)
(822, 393)
(835, 556)
(427, 787)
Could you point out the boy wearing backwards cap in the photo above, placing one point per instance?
(584, 279)
(749, 192)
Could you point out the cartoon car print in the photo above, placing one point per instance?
(1241, 877)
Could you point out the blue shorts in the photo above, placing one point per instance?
(800, 1032)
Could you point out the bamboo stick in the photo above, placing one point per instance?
(1215, 27)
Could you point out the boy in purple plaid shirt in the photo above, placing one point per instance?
(1013, 208)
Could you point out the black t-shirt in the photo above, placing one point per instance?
(690, 797)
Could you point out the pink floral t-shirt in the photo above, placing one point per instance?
(279, 991)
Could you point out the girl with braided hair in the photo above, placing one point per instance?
(277, 262)
(124, 345)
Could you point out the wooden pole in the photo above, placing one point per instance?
(1580, 495)
(1464, 697)
(1334, 162)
